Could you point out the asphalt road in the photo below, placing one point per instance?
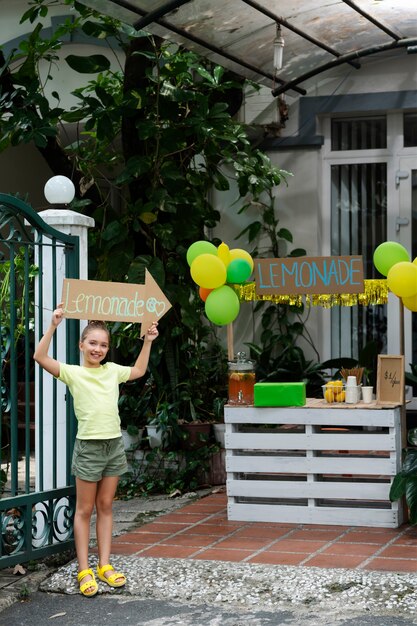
(44, 609)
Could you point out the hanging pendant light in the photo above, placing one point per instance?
(278, 49)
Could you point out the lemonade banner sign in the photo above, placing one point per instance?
(309, 275)
(117, 302)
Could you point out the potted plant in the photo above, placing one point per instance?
(162, 425)
(133, 409)
(367, 387)
(218, 425)
(177, 424)
(201, 398)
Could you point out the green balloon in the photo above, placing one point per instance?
(238, 271)
(200, 247)
(222, 305)
(388, 254)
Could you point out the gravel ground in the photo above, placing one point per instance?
(331, 593)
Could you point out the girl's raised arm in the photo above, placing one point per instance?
(41, 355)
(139, 368)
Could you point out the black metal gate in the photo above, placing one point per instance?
(37, 494)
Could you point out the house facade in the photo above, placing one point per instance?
(351, 147)
(350, 144)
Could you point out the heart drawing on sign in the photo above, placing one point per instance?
(159, 308)
(155, 306)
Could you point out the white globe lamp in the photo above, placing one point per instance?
(59, 190)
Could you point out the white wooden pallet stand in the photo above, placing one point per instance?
(317, 464)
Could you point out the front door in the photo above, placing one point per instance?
(372, 167)
(404, 226)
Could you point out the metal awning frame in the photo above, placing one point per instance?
(157, 16)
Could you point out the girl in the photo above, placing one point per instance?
(99, 458)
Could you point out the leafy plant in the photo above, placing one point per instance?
(22, 271)
(279, 360)
(165, 419)
(166, 471)
(24, 593)
(367, 359)
(218, 408)
(134, 404)
(411, 377)
(158, 133)
(278, 354)
(17, 300)
(405, 482)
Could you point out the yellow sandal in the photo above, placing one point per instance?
(111, 580)
(90, 584)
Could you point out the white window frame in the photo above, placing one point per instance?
(391, 155)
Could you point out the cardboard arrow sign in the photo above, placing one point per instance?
(116, 302)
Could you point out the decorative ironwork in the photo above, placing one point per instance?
(47, 522)
(52, 522)
(13, 227)
(4, 390)
(12, 532)
(36, 520)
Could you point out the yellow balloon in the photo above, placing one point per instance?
(415, 261)
(208, 271)
(223, 252)
(238, 253)
(402, 279)
(410, 303)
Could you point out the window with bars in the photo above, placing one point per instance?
(358, 225)
(359, 133)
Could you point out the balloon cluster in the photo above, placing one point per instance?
(211, 268)
(392, 260)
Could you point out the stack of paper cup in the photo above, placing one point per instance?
(351, 390)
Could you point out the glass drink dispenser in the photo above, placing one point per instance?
(241, 380)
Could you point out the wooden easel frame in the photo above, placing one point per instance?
(390, 379)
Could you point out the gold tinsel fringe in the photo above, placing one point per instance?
(376, 292)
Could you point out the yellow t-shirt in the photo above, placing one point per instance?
(95, 391)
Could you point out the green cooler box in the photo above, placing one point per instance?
(280, 394)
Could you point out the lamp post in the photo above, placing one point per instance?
(59, 190)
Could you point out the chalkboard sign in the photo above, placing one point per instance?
(390, 379)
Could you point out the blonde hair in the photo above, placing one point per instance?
(95, 325)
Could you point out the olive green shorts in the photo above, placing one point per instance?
(93, 459)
